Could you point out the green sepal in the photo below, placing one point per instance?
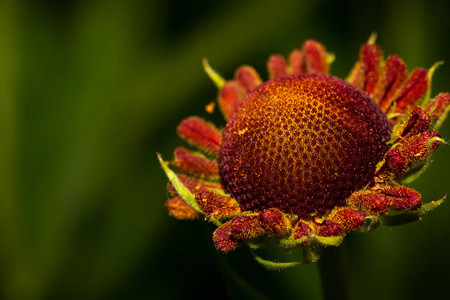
(291, 244)
(275, 266)
(410, 216)
(431, 71)
(329, 240)
(215, 77)
(182, 191)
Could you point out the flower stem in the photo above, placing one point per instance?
(333, 273)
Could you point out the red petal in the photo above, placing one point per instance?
(194, 163)
(246, 227)
(296, 62)
(402, 198)
(229, 98)
(276, 66)
(415, 87)
(418, 122)
(180, 209)
(371, 58)
(438, 105)
(223, 239)
(315, 57)
(394, 74)
(327, 228)
(201, 134)
(350, 219)
(214, 204)
(247, 78)
(300, 230)
(274, 221)
(371, 202)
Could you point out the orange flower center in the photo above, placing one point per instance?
(303, 144)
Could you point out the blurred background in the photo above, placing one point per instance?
(91, 90)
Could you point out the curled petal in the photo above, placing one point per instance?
(247, 226)
(371, 59)
(402, 198)
(300, 230)
(201, 134)
(296, 62)
(418, 122)
(274, 221)
(216, 205)
(393, 76)
(229, 97)
(315, 57)
(224, 240)
(350, 219)
(438, 106)
(415, 87)
(180, 209)
(195, 163)
(247, 78)
(327, 228)
(411, 150)
(369, 201)
(276, 66)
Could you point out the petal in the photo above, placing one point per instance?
(274, 221)
(315, 57)
(414, 88)
(276, 66)
(229, 97)
(394, 74)
(180, 209)
(350, 219)
(417, 122)
(216, 205)
(194, 163)
(300, 230)
(247, 78)
(438, 106)
(246, 227)
(402, 198)
(371, 58)
(327, 228)
(201, 134)
(369, 201)
(223, 239)
(296, 62)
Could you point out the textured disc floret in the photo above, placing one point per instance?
(303, 144)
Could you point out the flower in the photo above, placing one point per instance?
(305, 157)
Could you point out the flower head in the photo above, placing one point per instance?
(305, 157)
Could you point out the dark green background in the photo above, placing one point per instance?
(91, 90)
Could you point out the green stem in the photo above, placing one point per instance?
(333, 273)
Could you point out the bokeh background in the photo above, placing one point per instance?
(91, 90)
